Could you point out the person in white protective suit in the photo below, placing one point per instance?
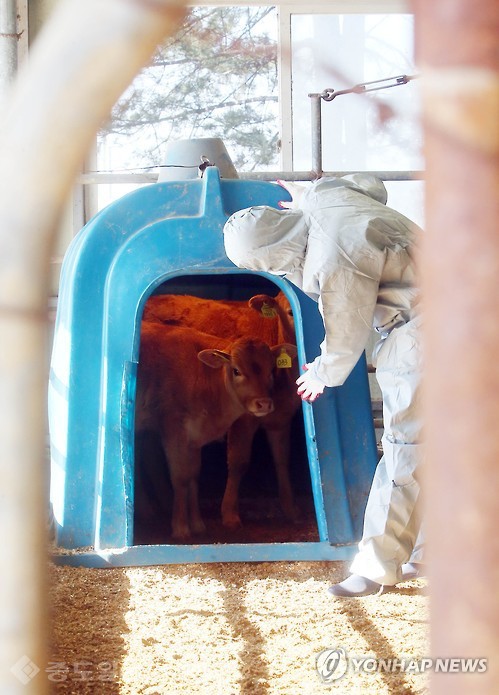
(356, 257)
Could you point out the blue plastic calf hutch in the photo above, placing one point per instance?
(164, 231)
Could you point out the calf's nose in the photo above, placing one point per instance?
(262, 406)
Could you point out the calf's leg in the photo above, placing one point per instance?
(239, 441)
(184, 463)
(196, 522)
(279, 438)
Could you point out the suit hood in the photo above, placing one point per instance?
(265, 239)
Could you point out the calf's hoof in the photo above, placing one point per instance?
(198, 526)
(181, 534)
(232, 522)
(292, 514)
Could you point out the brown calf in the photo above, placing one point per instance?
(191, 387)
(270, 319)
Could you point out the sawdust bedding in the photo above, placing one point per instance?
(227, 629)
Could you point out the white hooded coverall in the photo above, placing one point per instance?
(355, 256)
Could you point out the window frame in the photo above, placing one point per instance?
(85, 197)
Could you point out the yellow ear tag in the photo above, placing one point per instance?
(284, 361)
(268, 311)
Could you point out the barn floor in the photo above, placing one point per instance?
(226, 628)
(230, 628)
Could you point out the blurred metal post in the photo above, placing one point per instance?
(316, 123)
(8, 44)
(80, 64)
(457, 52)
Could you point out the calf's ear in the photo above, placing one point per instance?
(288, 348)
(284, 355)
(258, 301)
(214, 358)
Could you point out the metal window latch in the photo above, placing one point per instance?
(374, 85)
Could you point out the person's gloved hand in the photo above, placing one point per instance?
(310, 387)
(296, 191)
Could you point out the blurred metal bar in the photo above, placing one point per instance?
(457, 45)
(36, 174)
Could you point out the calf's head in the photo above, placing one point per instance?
(279, 307)
(248, 366)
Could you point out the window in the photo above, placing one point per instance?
(360, 131)
(217, 77)
(371, 131)
(244, 73)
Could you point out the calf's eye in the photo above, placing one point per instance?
(236, 371)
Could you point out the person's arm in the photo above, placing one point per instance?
(347, 302)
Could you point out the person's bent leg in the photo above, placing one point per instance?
(392, 519)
